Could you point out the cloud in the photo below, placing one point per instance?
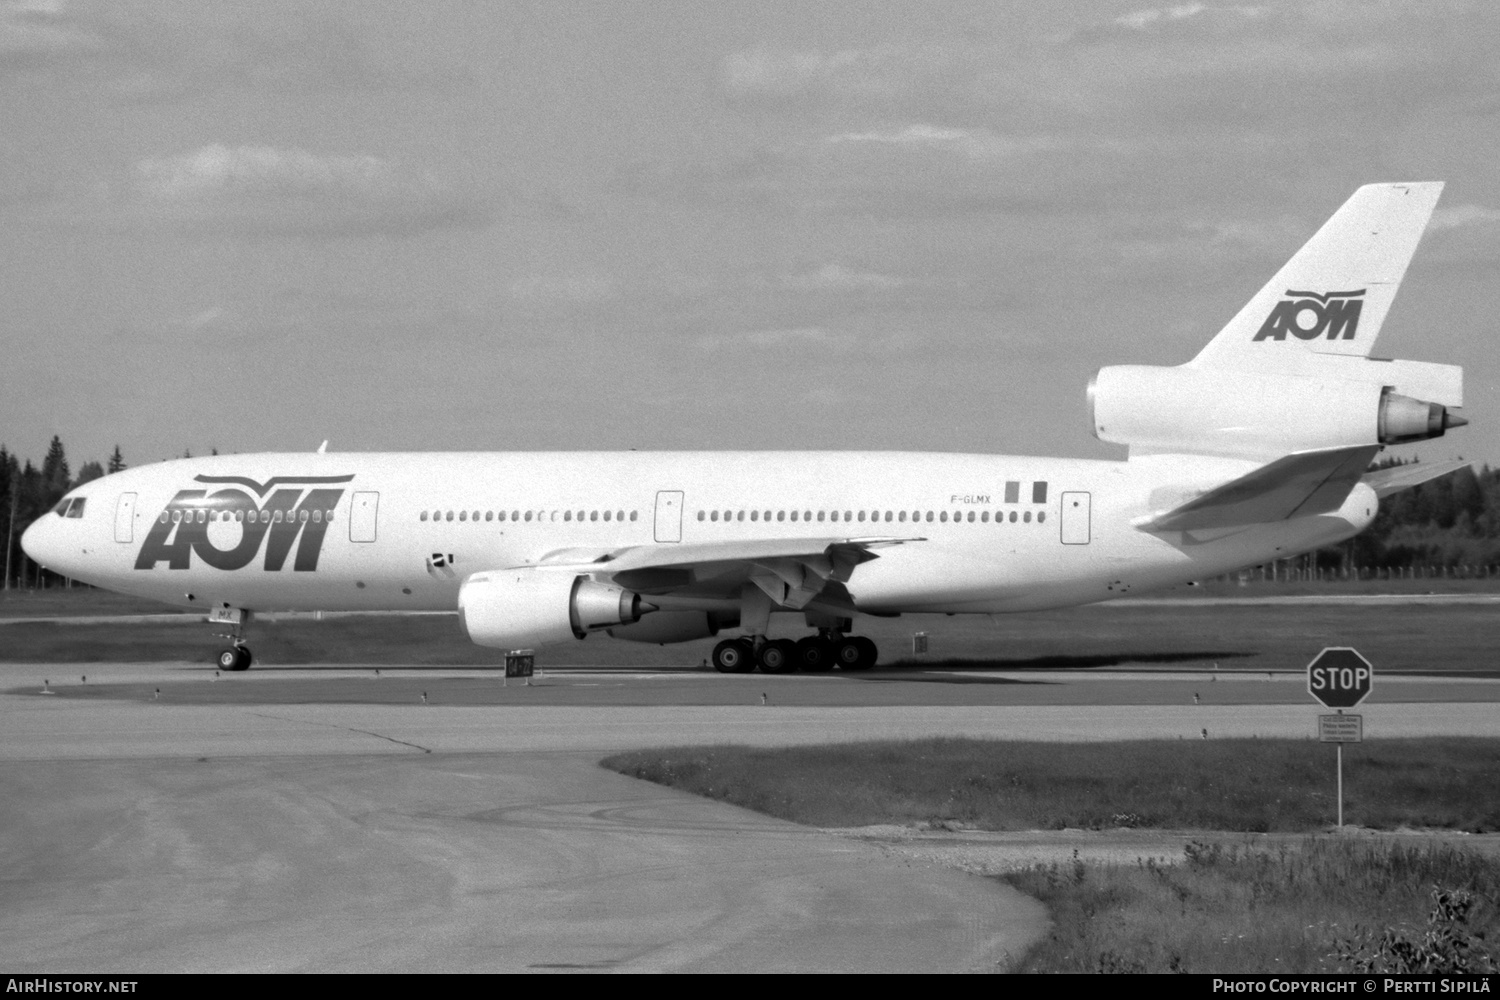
(37, 33)
(1463, 215)
(836, 277)
(238, 191)
(1140, 20)
(802, 336)
(976, 143)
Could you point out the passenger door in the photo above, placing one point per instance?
(669, 516)
(1075, 518)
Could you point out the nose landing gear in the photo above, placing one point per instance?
(237, 656)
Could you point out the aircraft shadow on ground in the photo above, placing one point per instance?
(1048, 664)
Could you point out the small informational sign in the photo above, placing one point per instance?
(918, 642)
(1341, 728)
(519, 663)
(221, 615)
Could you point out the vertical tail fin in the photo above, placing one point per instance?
(1332, 297)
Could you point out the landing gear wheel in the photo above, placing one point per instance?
(814, 654)
(734, 656)
(868, 652)
(234, 658)
(846, 653)
(779, 656)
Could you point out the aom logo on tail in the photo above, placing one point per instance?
(1309, 316)
(228, 527)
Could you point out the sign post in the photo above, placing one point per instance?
(1340, 678)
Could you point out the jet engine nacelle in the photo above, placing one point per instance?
(1253, 413)
(525, 607)
(668, 626)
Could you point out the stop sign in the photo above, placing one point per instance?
(1339, 677)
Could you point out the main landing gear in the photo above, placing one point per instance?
(814, 654)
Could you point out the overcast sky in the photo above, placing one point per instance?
(663, 225)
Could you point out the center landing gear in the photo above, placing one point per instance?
(237, 656)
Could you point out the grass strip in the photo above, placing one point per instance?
(1250, 785)
(1242, 908)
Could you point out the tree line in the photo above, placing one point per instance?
(26, 493)
(1446, 523)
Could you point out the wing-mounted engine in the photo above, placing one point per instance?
(1339, 403)
(522, 607)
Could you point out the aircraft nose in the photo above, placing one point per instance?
(40, 541)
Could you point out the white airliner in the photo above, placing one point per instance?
(1255, 450)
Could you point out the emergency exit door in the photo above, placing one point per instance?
(669, 516)
(1075, 518)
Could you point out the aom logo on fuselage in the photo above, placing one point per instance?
(200, 521)
(1309, 315)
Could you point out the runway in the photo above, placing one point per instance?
(290, 831)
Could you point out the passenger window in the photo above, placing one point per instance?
(567, 515)
(463, 515)
(633, 514)
(1027, 517)
(929, 517)
(971, 517)
(848, 515)
(528, 515)
(1039, 492)
(806, 515)
(820, 515)
(329, 518)
(164, 517)
(239, 515)
(755, 515)
(984, 517)
(1041, 516)
(448, 516)
(1012, 517)
(702, 516)
(303, 516)
(424, 515)
(620, 515)
(780, 515)
(902, 517)
(594, 515)
(317, 516)
(1013, 492)
(276, 517)
(794, 515)
(943, 517)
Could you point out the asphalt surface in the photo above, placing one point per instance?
(157, 818)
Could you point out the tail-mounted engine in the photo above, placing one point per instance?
(1256, 414)
(525, 607)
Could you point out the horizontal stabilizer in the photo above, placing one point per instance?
(1299, 485)
(1403, 477)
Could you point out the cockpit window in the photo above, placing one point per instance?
(70, 507)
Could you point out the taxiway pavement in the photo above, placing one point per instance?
(287, 834)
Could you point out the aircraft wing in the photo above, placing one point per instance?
(1297, 485)
(792, 571)
(1403, 477)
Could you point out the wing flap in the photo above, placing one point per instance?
(1297, 485)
